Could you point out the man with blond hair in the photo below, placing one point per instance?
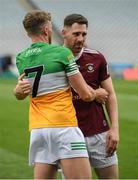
(45, 72)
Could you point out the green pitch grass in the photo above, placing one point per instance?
(14, 135)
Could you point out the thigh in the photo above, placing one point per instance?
(42, 147)
(110, 172)
(44, 171)
(73, 154)
(76, 168)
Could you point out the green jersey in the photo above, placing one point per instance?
(47, 67)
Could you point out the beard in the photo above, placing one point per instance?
(77, 47)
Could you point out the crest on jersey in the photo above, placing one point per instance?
(70, 57)
(89, 67)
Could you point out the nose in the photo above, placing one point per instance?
(80, 38)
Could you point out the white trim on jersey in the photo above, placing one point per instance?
(92, 51)
(86, 50)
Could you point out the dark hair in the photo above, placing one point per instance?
(75, 18)
(35, 20)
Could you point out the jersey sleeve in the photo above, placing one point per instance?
(69, 62)
(104, 71)
(18, 64)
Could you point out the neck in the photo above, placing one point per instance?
(40, 38)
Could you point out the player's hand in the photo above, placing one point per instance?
(101, 95)
(112, 141)
(23, 88)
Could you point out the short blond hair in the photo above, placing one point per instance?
(35, 20)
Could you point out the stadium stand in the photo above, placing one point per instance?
(112, 25)
(12, 36)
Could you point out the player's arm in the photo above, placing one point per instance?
(85, 92)
(112, 109)
(78, 83)
(22, 89)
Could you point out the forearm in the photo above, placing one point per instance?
(111, 103)
(112, 109)
(85, 92)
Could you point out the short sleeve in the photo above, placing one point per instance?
(104, 70)
(18, 64)
(69, 62)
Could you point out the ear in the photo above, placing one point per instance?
(45, 30)
(63, 32)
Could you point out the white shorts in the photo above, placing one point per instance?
(48, 145)
(96, 146)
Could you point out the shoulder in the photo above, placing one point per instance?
(65, 50)
(92, 51)
(95, 53)
(21, 54)
(66, 53)
(59, 47)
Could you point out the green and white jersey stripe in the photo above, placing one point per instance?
(78, 146)
(48, 64)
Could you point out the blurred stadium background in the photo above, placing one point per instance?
(113, 30)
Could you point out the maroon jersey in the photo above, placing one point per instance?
(90, 115)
